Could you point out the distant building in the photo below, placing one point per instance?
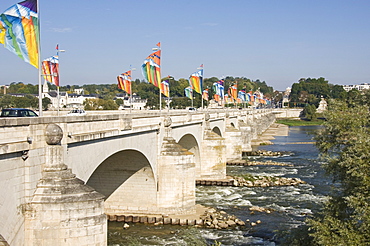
(66, 100)
(79, 91)
(286, 95)
(322, 105)
(360, 87)
(136, 102)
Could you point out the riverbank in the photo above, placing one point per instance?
(300, 122)
(275, 129)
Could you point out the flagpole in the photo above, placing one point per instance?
(131, 69)
(58, 96)
(192, 98)
(201, 89)
(130, 91)
(39, 59)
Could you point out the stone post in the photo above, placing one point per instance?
(63, 211)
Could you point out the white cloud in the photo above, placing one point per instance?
(64, 29)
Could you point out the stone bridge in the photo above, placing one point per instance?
(61, 176)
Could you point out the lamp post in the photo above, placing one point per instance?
(168, 98)
(58, 96)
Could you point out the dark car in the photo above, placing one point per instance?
(17, 112)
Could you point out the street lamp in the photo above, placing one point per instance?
(58, 96)
(131, 69)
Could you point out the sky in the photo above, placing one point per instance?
(276, 41)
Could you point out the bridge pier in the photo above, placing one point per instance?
(176, 179)
(233, 141)
(246, 136)
(213, 154)
(176, 175)
(63, 210)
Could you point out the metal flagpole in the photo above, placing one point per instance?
(58, 96)
(192, 98)
(160, 97)
(58, 50)
(130, 90)
(39, 60)
(201, 89)
(131, 69)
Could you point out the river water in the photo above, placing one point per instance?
(290, 204)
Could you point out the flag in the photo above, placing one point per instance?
(242, 95)
(221, 82)
(205, 95)
(124, 81)
(217, 97)
(219, 89)
(165, 88)
(19, 31)
(233, 91)
(196, 81)
(151, 68)
(189, 92)
(50, 70)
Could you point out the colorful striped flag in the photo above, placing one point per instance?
(189, 92)
(242, 95)
(19, 31)
(165, 88)
(124, 81)
(151, 68)
(50, 70)
(218, 88)
(196, 80)
(233, 91)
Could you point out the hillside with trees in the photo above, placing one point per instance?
(310, 91)
(107, 93)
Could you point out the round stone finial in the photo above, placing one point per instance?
(53, 134)
(167, 121)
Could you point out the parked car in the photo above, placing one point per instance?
(76, 112)
(17, 112)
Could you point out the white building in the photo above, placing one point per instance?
(360, 87)
(286, 95)
(65, 100)
(136, 102)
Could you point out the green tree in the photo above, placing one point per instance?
(309, 112)
(345, 145)
(45, 103)
(119, 101)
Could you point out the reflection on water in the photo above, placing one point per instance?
(290, 204)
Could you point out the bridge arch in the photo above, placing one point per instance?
(189, 142)
(125, 178)
(217, 130)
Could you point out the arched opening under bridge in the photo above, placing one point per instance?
(126, 179)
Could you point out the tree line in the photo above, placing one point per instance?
(107, 93)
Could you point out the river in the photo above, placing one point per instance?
(290, 204)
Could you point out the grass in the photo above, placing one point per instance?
(300, 122)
